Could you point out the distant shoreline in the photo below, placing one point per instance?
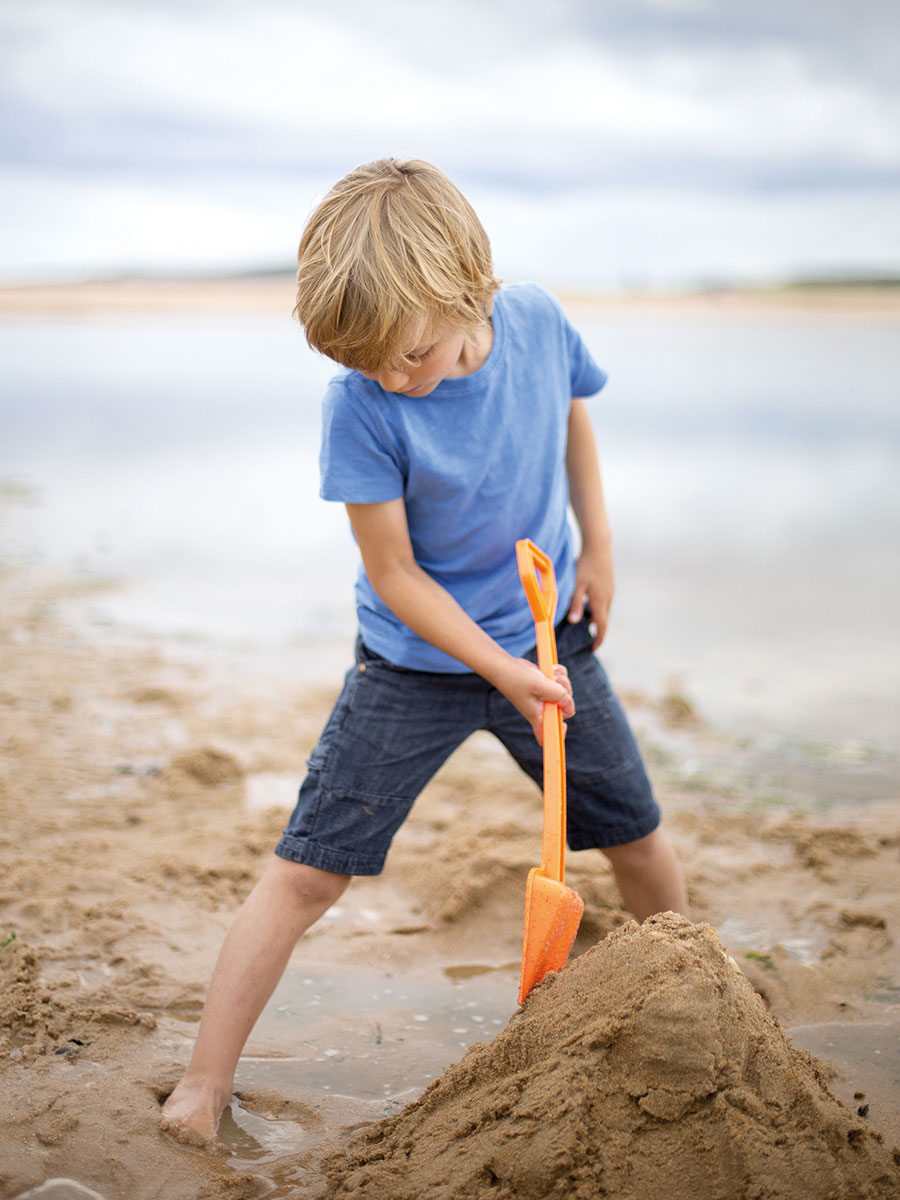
(274, 293)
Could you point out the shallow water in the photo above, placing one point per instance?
(752, 467)
(375, 1036)
(366, 1043)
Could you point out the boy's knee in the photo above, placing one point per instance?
(308, 886)
(637, 853)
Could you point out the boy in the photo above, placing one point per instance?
(451, 433)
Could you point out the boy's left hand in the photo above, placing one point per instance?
(594, 588)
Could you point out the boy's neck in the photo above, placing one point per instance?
(476, 349)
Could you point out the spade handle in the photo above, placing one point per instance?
(539, 581)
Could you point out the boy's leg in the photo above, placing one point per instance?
(610, 803)
(389, 732)
(648, 876)
(285, 902)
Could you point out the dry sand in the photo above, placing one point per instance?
(275, 294)
(128, 843)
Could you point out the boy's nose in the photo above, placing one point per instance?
(393, 381)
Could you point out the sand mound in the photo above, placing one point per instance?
(209, 767)
(647, 1070)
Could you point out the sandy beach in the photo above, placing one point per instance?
(142, 790)
(274, 293)
(135, 819)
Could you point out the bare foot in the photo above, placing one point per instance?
(191, 1114)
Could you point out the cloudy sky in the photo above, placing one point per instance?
(604, 142)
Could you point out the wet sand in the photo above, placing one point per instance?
(141, 795)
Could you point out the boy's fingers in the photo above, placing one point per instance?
(561, 676)
(562, 695)
(565, 701)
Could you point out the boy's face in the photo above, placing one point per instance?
(436, 354)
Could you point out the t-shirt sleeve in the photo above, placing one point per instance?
(585, 377)
(356, 462)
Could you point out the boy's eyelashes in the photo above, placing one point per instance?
(414, 360)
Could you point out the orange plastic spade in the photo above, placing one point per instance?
(552, 910)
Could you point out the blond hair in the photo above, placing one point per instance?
(391, 243)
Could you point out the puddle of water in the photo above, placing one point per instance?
(59, 1189)
(371, 1035)
(339, 1047)
(287, 1151)
(253, 1139)
(866, 1057)
(739, 935)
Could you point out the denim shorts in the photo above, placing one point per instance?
(392, 728)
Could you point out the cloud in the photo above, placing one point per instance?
(127, 127)
(490, 88)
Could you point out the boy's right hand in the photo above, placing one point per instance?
(527, 688)
(428, 609)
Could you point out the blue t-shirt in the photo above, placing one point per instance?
(480, 463)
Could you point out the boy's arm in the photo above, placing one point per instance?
(594, 581)
(430, 611)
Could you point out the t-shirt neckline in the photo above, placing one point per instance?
(464, 383)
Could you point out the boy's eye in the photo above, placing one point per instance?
(415, 359)
(412, 360)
